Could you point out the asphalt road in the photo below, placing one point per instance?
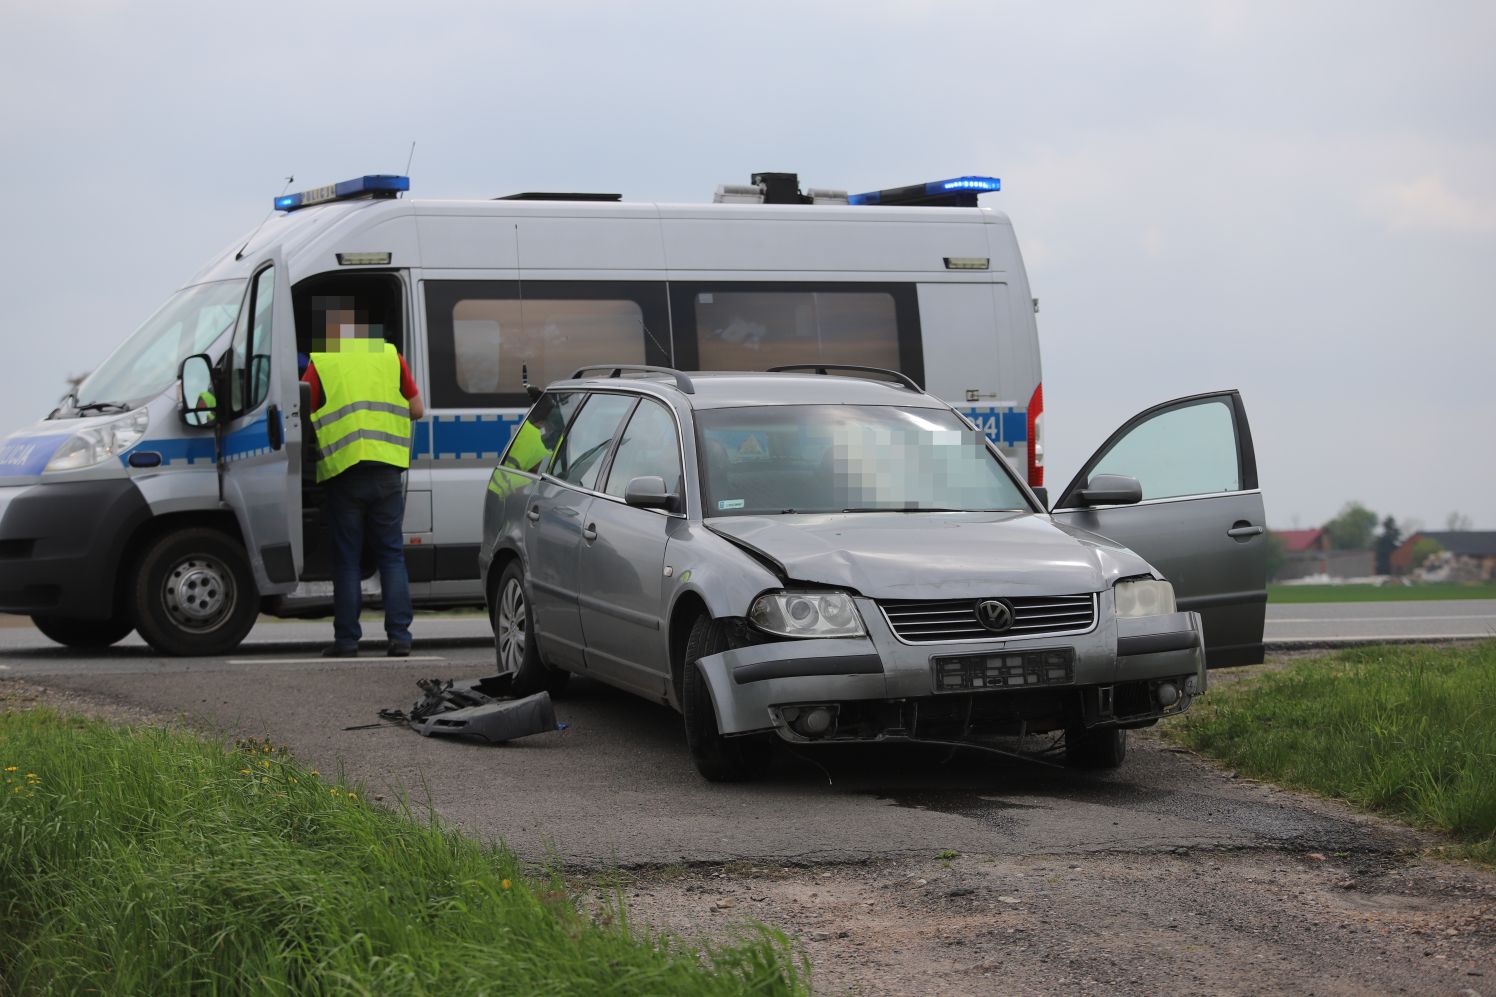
(617, 786)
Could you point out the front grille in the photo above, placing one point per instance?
(929, 622)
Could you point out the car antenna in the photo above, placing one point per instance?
(240, 254)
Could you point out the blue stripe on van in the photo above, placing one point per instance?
(1004, 425)
(458, 436)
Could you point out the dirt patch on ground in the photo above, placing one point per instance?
(1196, 922)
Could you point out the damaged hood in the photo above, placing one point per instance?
(927, 555)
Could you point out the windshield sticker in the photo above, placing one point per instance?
(730, 504)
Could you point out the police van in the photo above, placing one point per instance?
(171, 493)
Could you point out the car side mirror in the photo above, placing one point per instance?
(648, 492)
(1111, 489)
(199, 404)
(1042, 494)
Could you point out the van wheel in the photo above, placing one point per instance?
(1095, 749)
(516, 646)
(72, 632)
(717, 758)
(194, 594)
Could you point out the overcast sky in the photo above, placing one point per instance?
(1298, 200)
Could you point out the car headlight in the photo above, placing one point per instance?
(1143, 597)
(806, 614)
(96, 444)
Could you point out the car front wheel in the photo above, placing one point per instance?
(717, 758)
(515, 644)
(194, 594)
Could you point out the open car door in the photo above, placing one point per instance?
(1200, 521)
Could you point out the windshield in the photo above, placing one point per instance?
(847, 458)
(146, 364)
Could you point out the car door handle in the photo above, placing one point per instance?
(1242, 530)
(533, 514)
(589, 532)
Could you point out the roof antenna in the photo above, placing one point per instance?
(240, 254)
(410, 158)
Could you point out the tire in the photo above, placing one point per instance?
(516, 645)
(71, 632)
(1095, 749)
(717, 758)
(194, 594)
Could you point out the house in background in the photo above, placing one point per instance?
(1307, 553)
(1469, 556)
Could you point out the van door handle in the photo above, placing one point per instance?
(533, 514)
(589, 532)
(275, 432)
(1242, 529)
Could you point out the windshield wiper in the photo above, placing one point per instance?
(102, 407)
(905, 508)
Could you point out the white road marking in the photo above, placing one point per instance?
(320, 660)
(1377, 638)
(1472, 617)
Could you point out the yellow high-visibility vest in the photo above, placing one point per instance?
(363, 415)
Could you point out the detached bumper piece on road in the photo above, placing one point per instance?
(472, 708)
(1128, 673)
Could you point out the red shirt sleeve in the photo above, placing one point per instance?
(408, 389)
(310, 377)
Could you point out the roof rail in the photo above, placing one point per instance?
(557, 195)
(821, 368)
(618, 370)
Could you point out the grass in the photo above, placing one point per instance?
(1405, 731)
(1281, 594)
(147, 861)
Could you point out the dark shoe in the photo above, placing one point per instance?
(340, 651)
(397, 649)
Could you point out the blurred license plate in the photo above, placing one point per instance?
(1007, 670)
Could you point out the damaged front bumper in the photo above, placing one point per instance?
(1122, 673)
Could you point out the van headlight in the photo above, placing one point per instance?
(96, 444)
(1143, 597)
(806, 614)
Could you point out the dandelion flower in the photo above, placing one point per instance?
(504, 884)
(11, 768)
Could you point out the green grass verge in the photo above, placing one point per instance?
(149, 861)
(1378, 593)
(1407, 731)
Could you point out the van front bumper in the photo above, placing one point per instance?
(61, 544)
(1123, 673)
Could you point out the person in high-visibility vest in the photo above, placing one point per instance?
(363, 401)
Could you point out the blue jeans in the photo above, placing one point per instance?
(366, 505)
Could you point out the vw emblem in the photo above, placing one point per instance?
(995, 615)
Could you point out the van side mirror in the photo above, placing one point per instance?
(199, 404)
(1111, 489)
(648, 492)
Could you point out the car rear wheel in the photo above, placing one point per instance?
(717, 758)
(516, 646)
(1095, 749)
(72, 632)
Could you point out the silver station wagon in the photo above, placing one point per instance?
(831, 555)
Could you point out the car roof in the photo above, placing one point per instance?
(737, 389)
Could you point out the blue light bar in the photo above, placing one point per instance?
(964, 183)
(375, 186)
(957, 192)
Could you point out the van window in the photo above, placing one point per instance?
(483, 334)
(755, 330)
(551, 337)
(249, 376)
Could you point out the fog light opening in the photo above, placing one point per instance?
(1167, 694)
(814, 721)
